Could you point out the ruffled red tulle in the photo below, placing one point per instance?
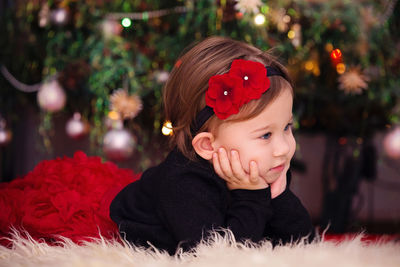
(68, 197)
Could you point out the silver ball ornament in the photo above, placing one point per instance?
(5, 134)
(118, 144)
(391, 143)
(5, 137)
(76, 127)
(162, 76)
(51, 97)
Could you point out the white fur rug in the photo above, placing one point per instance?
(217, 252)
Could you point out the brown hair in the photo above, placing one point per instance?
(184, 92)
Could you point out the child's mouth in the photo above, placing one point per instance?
(278, 168)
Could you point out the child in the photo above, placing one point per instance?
(230, 105)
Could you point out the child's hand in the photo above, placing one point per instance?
(234, 174)
(279, 185)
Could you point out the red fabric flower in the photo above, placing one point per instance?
(254, 77)
(246, 80)
(224, 95)
(67, 197)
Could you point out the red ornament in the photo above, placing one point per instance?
(342, 141)
(336, 55)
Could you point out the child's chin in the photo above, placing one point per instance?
(271, 178)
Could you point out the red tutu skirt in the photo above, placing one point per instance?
(65, 197)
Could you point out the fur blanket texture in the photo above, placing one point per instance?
(220, 251)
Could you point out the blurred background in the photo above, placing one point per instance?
(87, 75)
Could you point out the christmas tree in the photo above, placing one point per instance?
(103, 63)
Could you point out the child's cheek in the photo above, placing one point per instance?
(292, 147)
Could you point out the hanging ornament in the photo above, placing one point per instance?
(248, 6)
(118, 144)
(59, 16)
(162, 76)
(51, 97)
(44, 15)
(5, 134)
(76, 127)
(110, 28)
(353, 82)
(336, 56)
(128, 106)
(391, 143)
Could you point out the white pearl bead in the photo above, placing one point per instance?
(225, 92)
(246, 78)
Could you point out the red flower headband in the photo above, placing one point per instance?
(246, 80)
(226, 93)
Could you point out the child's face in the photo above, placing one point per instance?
(267, 138)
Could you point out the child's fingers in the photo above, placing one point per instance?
(254, 176)
(236, 164)
(217, 167)
(224, 163)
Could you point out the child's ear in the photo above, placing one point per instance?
(202, 144)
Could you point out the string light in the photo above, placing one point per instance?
(316, 71)
(59, 16)
(259, 19)
(167, 128)
(113, 115)
(340, 68)
(126, 22)
(291, 34)
(312, 66)
(336, 54)
(309, 65)
(329, 47)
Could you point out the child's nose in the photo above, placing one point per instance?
(281, 146)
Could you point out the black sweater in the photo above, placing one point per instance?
(176, 204)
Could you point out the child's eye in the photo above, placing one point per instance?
(289, 126)
(266, 136)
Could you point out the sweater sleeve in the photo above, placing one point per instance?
(290, 220)
(193, 206)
